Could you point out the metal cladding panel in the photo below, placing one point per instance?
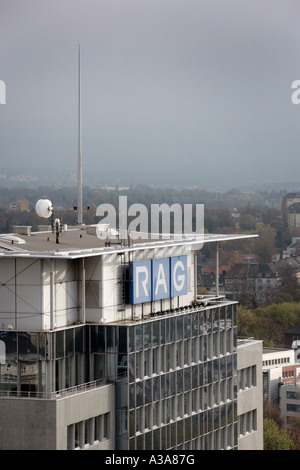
(66, 295)
(28, 300)
(140, 282)
(179, 275)
(28, 272)
(160, 278)
(7, 271)
(8, 299)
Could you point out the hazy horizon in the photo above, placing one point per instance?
(193, 91)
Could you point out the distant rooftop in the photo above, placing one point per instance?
(246, 341)
(275, 350)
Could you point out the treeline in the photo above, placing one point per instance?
(224, 212)
(268, 323)
(66, 197)
(270, 320)
(276, 435)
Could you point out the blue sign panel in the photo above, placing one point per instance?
(141, 282)
(179, 275)
(160, 278)
(157, 279)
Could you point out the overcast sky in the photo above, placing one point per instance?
(195, 88)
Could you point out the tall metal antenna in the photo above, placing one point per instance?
(79, 190)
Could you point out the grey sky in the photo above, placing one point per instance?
(198, 88)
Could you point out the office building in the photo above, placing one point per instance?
(250, 403)
(278, 367)
(107, 346)
(289, 399)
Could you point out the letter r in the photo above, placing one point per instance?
(140, 270)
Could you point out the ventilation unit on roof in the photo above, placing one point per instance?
(12, 239)
(22, 230)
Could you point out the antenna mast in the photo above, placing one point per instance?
(79, 190)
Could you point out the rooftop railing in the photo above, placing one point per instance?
(66, 392)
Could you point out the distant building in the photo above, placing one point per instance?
(259, 280)
(293, 249)
(251, 278)
(274, 362)
(290, 403)
(250, 405)
(281, 379)
(292, 335)
(281, 382)
(20, 205)
(292, 340)
(291, 209)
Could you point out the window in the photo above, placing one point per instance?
(248, 423)
(293, 395)
(247, 378)
(88, 432)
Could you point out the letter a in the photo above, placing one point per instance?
(2, 92)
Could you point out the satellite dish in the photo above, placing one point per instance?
(44, 208)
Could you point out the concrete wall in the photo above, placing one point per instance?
(27, 424)
(250, 354)
(84, 406)
(33, 424)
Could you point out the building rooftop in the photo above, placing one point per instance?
(275, 350)
(246, 341)
(82, 241)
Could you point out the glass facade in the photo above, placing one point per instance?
(38, 364)
(175, 375)
(179, 390)
(22, 363)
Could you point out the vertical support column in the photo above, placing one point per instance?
(82, 310)
(102, 293)
(217, 269)
(16, 297)
(52, 323)
(195, 276)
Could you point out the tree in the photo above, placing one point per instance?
(264, 245)
(247, 222)
(224, 217)
(289, 283)
(247, 322)
(275, 437)
(286, 314)
(268, 323)
(272, 411)
(294, 432)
